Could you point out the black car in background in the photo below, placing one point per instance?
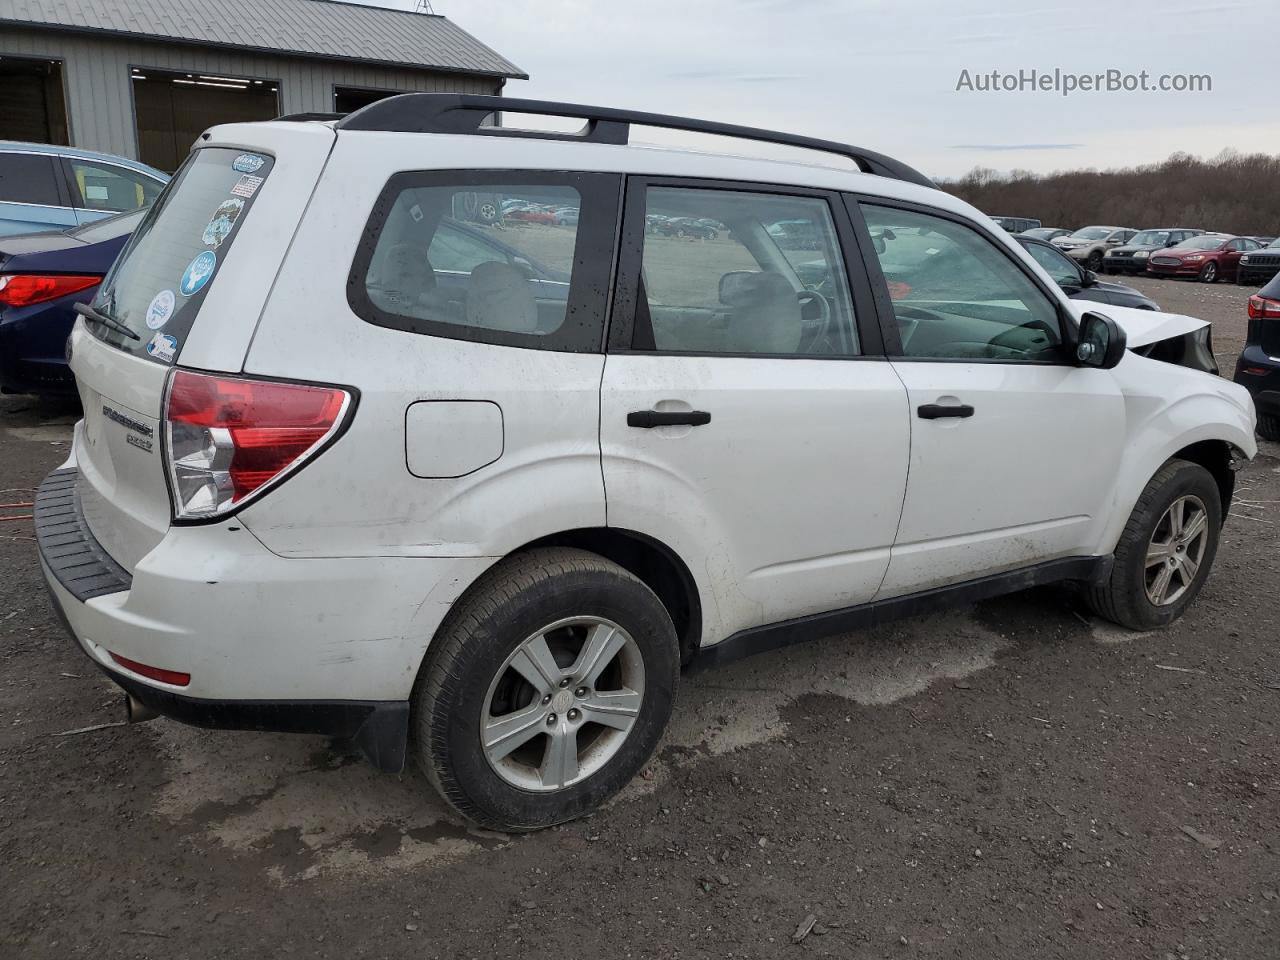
(1258, 369)
(1081, 284)
(1259, 266)
(1132, 257)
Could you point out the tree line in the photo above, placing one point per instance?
(1232, 192)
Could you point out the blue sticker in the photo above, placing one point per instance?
(198, 272)
(163, 347)
(247, 163)
(160, 309)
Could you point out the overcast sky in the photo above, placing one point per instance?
(883, 74)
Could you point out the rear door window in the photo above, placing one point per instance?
(159, 282)
(104, 186)
(487, 257)
(29, 178)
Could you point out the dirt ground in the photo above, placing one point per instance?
(1011, 780)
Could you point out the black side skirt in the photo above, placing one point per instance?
(746, 643)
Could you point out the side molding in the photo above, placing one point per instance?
(747, 643)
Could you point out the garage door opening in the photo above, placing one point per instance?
(32, 106)
(351, 99)
(173, 109)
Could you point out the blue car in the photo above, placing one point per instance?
(42, 277)
(44, 187)
(1258, 369)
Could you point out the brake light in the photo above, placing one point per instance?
(1263, 308)
(228, 438)
(26, 289)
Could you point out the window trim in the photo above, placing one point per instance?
(884, 303)
(630, 257)
(590, 276)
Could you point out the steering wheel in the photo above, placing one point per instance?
(824, 308)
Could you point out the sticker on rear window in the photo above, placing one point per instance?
(223, 219)
(247, 163)
(246, 186)
(160, 309)
(163, 347)
(198, 272)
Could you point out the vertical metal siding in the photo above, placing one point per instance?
(95, 76)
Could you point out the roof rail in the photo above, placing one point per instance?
(463, 114)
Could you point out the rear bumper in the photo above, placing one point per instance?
(328, 646)
(1264, 384)
(379, 728)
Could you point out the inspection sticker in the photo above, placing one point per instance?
(246, 187)
(160, 309)
(163, 347)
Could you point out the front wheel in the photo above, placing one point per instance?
(1209, 274)
(545, 691)
(1094, 261)
(1166, 550)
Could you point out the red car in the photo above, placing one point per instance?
(1208, 257)
(531, 216)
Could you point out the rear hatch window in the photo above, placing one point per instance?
(156, 287)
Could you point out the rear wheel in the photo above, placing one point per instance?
(545, 691)
(1268, 426)
(1166, 550)
(1209, 273)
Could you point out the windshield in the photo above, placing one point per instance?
(1151, 238)
(1204, 242)
(109, 228)
(1092, 233)
(1273, 244)
(156, 287)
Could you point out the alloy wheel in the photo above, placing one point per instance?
(1176, 550)
(562, 704)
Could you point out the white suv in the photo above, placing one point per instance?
(370, 451)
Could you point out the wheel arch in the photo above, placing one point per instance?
(651, 561)
(1218, 457)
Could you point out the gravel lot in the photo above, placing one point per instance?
(1008, 780)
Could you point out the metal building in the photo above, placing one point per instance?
(143, 78)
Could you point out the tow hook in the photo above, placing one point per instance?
(135, 711)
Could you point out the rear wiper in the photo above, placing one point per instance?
(87, 311)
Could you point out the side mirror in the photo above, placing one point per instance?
(1090, 279)
(525, 267)
(1101, 343)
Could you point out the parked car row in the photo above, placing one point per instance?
(1207, 256)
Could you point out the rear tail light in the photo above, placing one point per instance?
(228, 439)
(26, 289)
(1263, 308)
(154, 673)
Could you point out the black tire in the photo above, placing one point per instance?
(1122, 598)
(1208, 273)
(1268, 426)
(1094, 261)
(513, 601)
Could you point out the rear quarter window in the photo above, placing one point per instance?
(506, 257)
(159, 282)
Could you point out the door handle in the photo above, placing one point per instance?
(936, 411)
(648, 419)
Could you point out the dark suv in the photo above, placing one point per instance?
(1258, 369)
(1132, 257)
(1260, 266)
